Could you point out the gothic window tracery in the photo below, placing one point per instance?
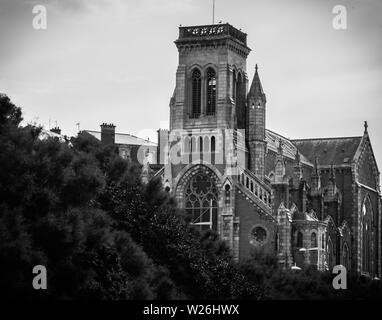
(201, 201)
(258, 236)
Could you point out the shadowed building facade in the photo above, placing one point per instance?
(309, 201)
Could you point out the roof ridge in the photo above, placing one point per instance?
(329, 138)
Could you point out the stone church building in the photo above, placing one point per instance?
(309, 201)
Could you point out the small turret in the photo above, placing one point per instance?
(255, 133)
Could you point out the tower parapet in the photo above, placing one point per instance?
(215, 34)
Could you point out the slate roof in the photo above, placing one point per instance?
(329, 151)
(124, 138)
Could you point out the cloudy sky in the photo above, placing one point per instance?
(115, 61)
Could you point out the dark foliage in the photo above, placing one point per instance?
(82, 212)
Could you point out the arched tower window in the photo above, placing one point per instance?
(313, 240)
(234, 85)
(240, 103)
(299, 240)
(211, 91)
(196, 93)
(367, 236)
(212, 150)
(201, 199)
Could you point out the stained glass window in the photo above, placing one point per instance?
(201, 200)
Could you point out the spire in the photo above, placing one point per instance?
(256, 89)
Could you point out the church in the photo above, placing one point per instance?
(308, 201)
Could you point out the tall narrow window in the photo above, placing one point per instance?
(299, 240)
(213, 150)
(211, 91)
(201, 148)
(367, 232)
(227, 195)
(240, 103)
(196, 93)
(313, 240)
(234, 85)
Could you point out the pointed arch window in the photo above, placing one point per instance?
(213, 150)
(234, 85)
(367, 236)
(211, 91)
(201, 200)
(196, 93)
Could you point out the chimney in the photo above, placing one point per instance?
(56, 130)
(108, 133)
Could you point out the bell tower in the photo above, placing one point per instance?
(211, 79)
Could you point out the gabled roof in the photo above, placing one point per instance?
(125, 138)
(289, 149)
(329, 151)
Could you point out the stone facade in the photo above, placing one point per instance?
(303, 200)
(309, 202)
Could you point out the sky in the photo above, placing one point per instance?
(115, 61)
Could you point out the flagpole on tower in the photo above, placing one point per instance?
(213, 11)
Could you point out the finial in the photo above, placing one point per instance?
(366, 126)
(256, 67)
